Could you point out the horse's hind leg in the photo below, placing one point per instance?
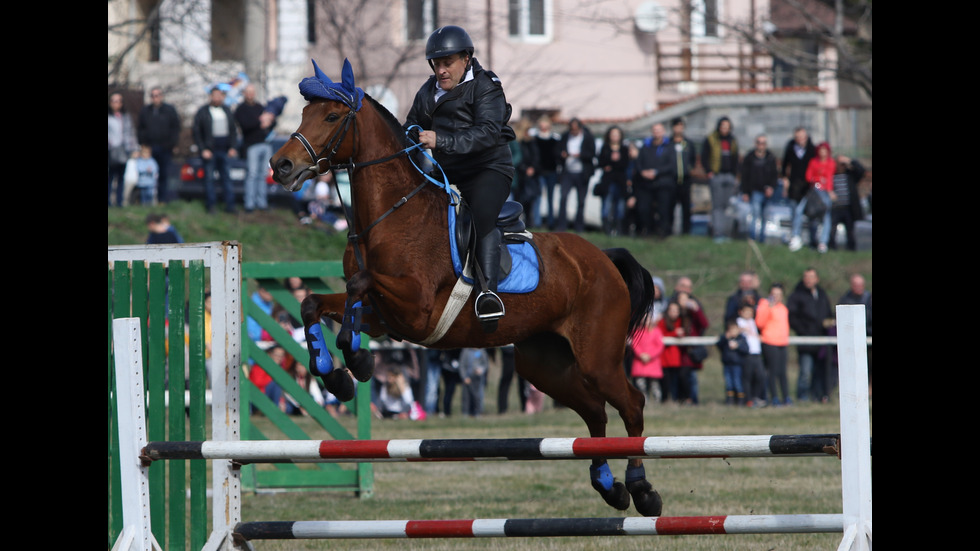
(547, 363)
(623, 396)
(601, 365)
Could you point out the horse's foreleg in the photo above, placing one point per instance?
(358, 360)
(313, 309)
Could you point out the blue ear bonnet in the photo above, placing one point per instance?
(320, 86)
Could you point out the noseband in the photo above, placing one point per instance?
(333, 144)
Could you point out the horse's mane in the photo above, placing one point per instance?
(390, 120)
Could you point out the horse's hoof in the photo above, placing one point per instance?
(617, 496)
(345, 340)
(361, 364)
(339, 383)
(645, 498)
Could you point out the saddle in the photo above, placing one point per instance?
(509, 224)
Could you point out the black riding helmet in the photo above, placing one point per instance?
(448, 40)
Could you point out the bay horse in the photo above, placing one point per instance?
(569, 333)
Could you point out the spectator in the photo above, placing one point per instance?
(772, 318)
(692, 356)
(448, 362)
(655, 185)
(820, 176)
(395, 397)
(261, 299)
(507, 375)
(686, 155)
(760, 178)
(733, 347)
(746, 293)
(474, 363)
(846, 207)
(753, 368)
(796, 158)
(307, 382)
(122, 146)
(578, 164)
(809, 316)
(647, 371)
(159, 127)
(326, 206)
(720, 159)
(614, 162)
(149, 175)
(859, 294)
(535, 400)
(256, 125)
(527, 187)
(161, 231)
(215, 136)
(547, 142)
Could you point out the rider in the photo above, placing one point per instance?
(463, 114)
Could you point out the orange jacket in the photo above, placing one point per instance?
(773, 322)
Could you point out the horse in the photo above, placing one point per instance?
(569, 333)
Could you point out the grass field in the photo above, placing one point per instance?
(549, 489)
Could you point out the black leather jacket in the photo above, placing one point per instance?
(470, 122)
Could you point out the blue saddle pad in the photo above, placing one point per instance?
(524, 273)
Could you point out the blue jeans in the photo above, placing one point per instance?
(733, 378)
(219, 162)
(825, 224)
(757, 201)
(805, 382)
(548, 181)
(256, 190)
(614, 204)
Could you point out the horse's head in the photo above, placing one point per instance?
(325, 135)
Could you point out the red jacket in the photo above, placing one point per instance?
(820, 172)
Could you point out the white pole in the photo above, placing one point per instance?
(131, 421)
(855, 425)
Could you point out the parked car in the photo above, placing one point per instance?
(190, 181)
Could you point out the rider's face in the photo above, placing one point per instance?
(449, 70)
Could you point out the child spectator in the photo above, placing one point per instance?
(647, 370)
(161, 230)
(148, 175)
(733, 348)
(753, 369)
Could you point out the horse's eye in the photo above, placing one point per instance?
(332, 117)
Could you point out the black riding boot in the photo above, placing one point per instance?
(489, 307)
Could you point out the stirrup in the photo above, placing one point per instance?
(489, 316)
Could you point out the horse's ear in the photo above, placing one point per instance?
(320, 75)
(347, 76)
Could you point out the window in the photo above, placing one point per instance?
(529, 20)
(420, 18)
(704, 18)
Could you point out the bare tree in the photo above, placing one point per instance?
(844, 24)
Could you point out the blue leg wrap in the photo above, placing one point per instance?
(602, 475)
(635, 473)
(352, 323)
(323, 364)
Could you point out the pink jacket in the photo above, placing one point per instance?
(649, 341)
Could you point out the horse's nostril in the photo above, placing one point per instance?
(284, 166)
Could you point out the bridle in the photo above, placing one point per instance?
(333, 144)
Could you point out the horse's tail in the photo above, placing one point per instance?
(640, 284)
